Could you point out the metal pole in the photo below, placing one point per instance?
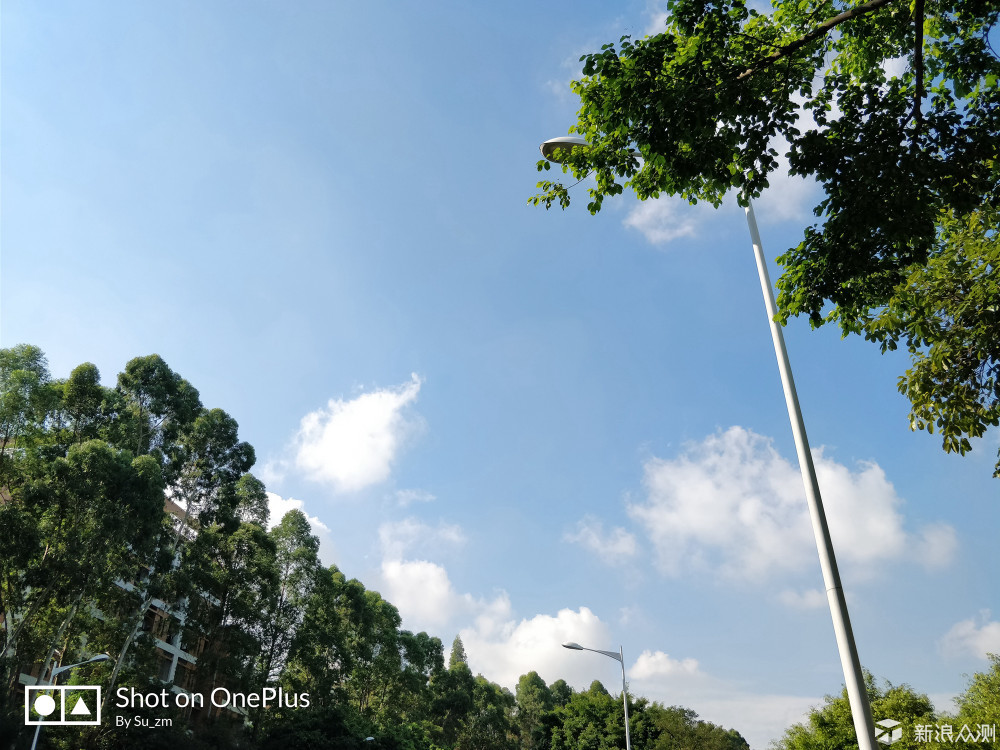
(856, 691)
(628, 741)
(54, 678)
(620, 658)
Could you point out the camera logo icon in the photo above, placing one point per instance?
(63, 705)
(889, 731)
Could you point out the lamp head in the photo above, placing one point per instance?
(574, 646)
(556, 149)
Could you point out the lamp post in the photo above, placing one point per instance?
(857, 693)
(53, 678)
(620, 658)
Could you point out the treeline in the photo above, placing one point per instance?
(129, 517)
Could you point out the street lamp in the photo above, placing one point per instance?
(555, 148)
(53, 678)
(620, 658)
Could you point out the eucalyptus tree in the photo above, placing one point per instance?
(92, 510)
(204, 462)
(349, 650)
(679, 728)
(452, 700)
(297, 561)
(156, 405)
(892, 107)
(234, 575)
(490, 725)
(25, 400)
(77, 510)
(319, 660)
(534, 707)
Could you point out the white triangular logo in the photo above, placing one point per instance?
(80, 708)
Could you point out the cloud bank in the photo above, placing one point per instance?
(733, 505)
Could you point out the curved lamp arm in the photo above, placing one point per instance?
(620, 658)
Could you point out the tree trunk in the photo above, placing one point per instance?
(57, 639)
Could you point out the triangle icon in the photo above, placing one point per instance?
(80, 708)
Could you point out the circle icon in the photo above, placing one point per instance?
(44, 705)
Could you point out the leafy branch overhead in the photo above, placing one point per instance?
(892, 107)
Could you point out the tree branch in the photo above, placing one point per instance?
(821, 30)
(918, 66)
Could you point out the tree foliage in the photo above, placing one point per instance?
(921, 726)
(892, 107)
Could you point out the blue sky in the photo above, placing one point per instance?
(522, 426)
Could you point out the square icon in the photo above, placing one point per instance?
(888, 731)
(63, 705)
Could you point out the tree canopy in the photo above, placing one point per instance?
(892, 107)
(917, 722)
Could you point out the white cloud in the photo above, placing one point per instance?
(895, 67)
(808, 599)
(504, 649)
(408, 497)
(653, 664)
(278, 506)
(657, 21)
(731, 503)
(352, 444)
(427, 600)
(402, 538)
(613, 547)
(788, 197)
(977, 636)
(662, 220)
(421, 591)
(937, 546)
(272, 471)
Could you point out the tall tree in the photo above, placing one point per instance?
(296, 556)
(155, 405)
(319, 658)
(892, 106)
(453, 692)
(25, 401)
(204, 463)
(534, 704)
(78, 512)
(490, 724)
(457, 652)
(679, 728)
(561, 692)
(93, 511)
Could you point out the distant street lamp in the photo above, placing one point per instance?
(620, 658)
(861, 712)
(54, 676)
